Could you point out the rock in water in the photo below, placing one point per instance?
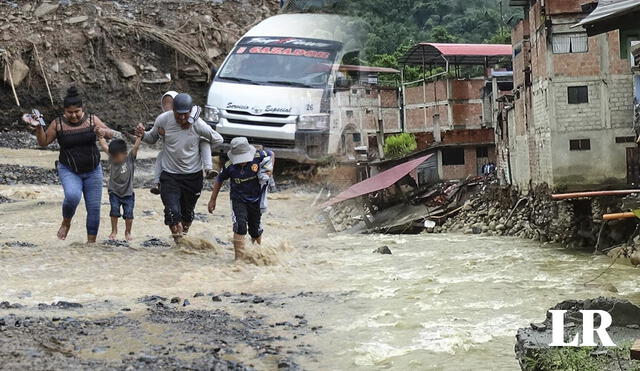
(383, 250)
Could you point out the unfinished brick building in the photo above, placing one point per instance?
(452, 113)
(570, 120)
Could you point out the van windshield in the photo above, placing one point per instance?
(280, 61)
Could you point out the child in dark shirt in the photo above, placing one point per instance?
(245, 170)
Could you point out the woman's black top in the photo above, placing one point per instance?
(78, 149)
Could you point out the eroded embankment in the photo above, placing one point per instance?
(573, 223)
(123, 55)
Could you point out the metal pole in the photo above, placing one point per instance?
(424, 89)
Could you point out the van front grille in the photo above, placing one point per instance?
(247, 122)
(266, 142)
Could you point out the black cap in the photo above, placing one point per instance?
(182, 103)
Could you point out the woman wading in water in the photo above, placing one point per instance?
(79, 162)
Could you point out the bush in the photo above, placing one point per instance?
(399, 145)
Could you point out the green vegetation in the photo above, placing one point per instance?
(393, 27)
(582, 359)
(399, 145)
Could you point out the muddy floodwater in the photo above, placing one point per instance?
(440, 301)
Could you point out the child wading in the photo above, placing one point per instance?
(121, 195)
(245, 169)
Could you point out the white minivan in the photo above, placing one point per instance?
(277, 85)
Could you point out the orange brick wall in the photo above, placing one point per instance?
(466, 89)
(415, 94)
(389, 98)
(468, 115)
(578, 64)
(563, 6)
(416, 120)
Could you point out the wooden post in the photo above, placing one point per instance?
(44, 75)
(13, 88)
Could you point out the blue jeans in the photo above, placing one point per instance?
(75, 186)
(127, 203)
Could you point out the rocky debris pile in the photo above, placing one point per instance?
(344, 216)
(629, 252)
(22, 139)
(127, 49)
(532, 343)
(536, 216)
(60, 339)
(18, 174)
(574, 223)
(4, 200)
(155, 242)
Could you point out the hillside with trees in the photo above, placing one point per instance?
(392, 27)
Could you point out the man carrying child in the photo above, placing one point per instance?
(248, 171)
(121, 195)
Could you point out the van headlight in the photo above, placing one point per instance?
(313, 122)
(211, 114)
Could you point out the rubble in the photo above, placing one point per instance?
(99, 46)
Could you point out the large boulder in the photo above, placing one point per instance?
(532, 343)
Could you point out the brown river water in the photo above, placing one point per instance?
(440, 301)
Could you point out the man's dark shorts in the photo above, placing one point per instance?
(127, 203)
(180, 193)
(246, 218)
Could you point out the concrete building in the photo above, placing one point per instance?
(570, 121)
(452, 112)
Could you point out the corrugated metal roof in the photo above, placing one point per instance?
(608, 11)
(379, 181)
(474, 54)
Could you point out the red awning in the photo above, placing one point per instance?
(474, 54)
(379, 181)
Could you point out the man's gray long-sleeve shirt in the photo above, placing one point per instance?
(181, 146)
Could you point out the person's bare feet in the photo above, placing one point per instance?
(113, 235)
(64, 229)
(128, 236)
(91, 238)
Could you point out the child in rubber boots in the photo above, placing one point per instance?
(245, 170)
(121, 195)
